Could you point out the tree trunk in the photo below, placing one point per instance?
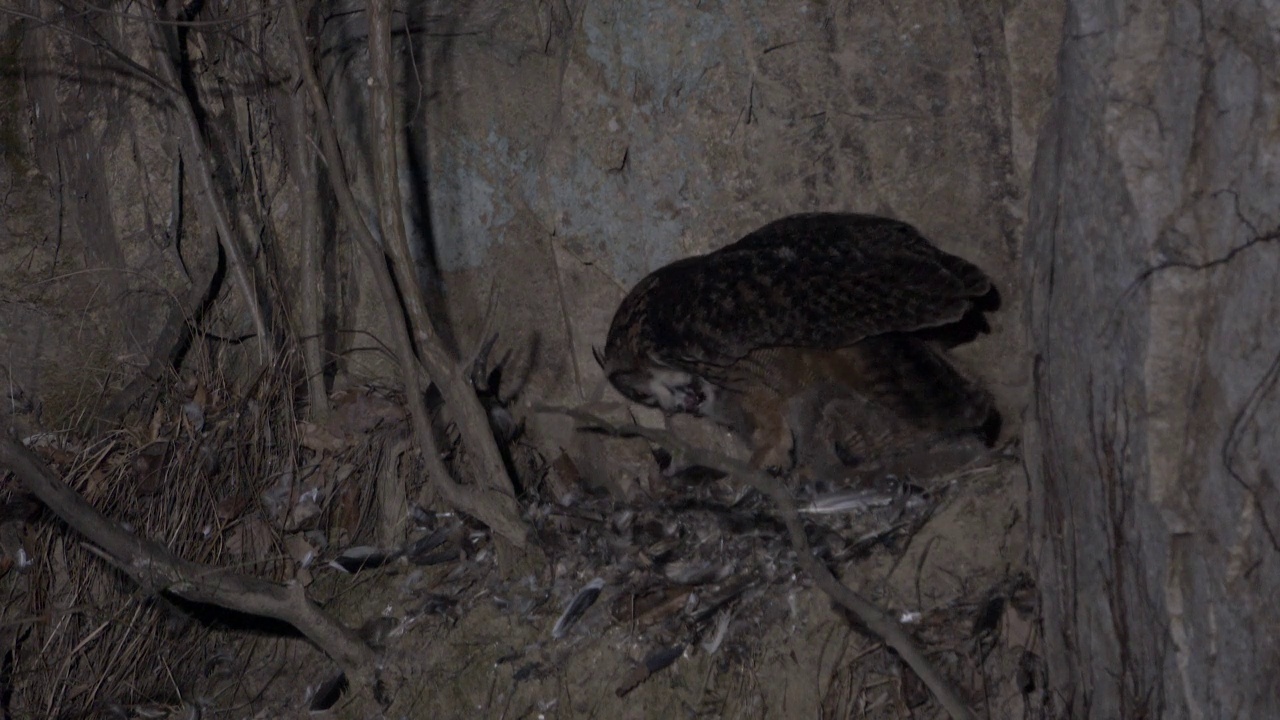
(1151, 445)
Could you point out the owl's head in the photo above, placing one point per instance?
(657, 385)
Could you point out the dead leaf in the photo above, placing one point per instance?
(320, 438)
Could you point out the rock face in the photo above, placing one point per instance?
(576, 148)
(1153, 252)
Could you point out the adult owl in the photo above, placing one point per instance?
(808, 308)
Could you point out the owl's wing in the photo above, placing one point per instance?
(804, 281)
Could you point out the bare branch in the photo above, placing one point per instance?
(155, 568)
(492, 498)
(494, 491)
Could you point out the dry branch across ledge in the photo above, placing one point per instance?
(874, 619)
(156, 569)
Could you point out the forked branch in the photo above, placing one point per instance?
(156, 569)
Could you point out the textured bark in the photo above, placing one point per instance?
(311, 278)
(1154, 250)
(196, 151)
(492, 500)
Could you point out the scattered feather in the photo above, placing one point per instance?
(194, 415)
(854, 500)
(712, 644)
(653, 662)
(362, 557)
(436, 604)
(585, 598)
(300, 550)
(327, 693)
(419, 552)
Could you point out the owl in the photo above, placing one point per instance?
(824, 328)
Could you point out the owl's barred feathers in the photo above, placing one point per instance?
(819, 280)
(810, 319)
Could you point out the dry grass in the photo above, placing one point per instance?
(216, 474)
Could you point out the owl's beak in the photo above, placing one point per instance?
(598, 355)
